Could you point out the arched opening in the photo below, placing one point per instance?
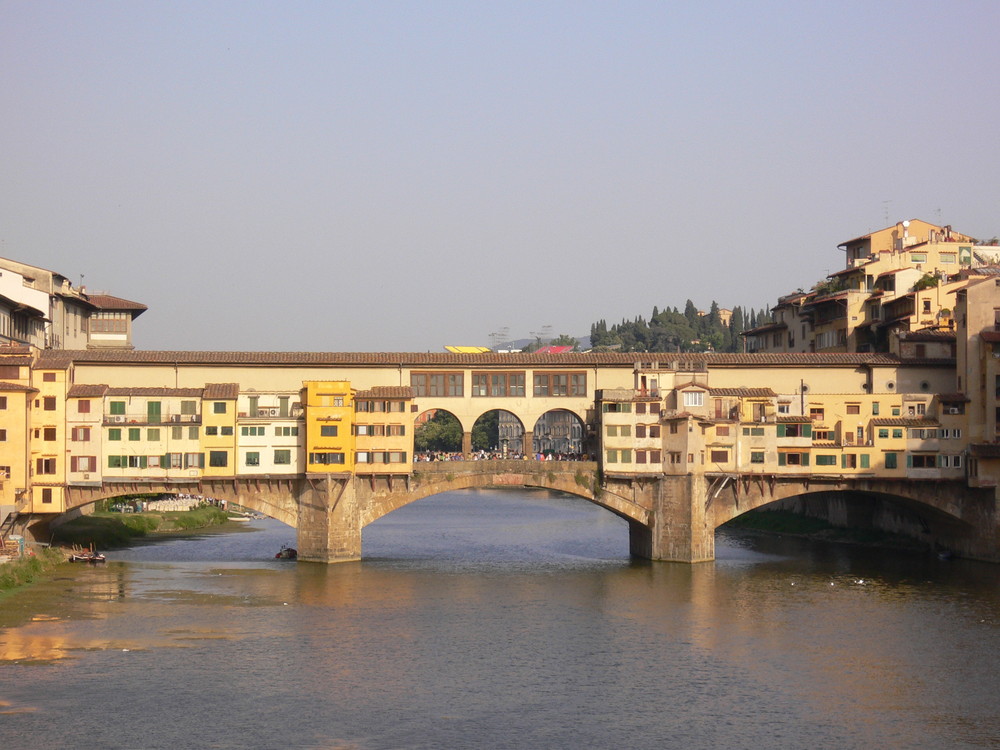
(491, 525)
(437, 433)
(871, 518)
(498, 434)
(560, 434)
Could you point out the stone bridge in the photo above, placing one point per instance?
(670, 518)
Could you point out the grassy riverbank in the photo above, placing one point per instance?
(106, 530)
(793, 524)
(29, 569)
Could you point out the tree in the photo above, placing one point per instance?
(486, 431)
(442, 432)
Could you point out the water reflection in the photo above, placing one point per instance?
(505, 620)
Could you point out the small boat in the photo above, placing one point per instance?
(89, 557)
(286, 553)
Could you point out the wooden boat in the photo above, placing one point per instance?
(287, 553)
(89, 557)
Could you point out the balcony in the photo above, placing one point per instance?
(112, 420)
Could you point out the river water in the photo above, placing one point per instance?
(503, 619)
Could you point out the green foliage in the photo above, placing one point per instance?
(669, 330)
(198, 518)
(28, 569)
(927, 281)
(486, 431)
(442, 432)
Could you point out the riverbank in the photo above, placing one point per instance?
(104, 530)
(786, 523)
(30, 568)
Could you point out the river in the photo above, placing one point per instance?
(503, 619)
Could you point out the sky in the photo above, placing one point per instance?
(401, 176)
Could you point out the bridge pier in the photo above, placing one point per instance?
(329, 528)
(682, 530)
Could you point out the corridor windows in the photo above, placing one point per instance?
(547, 384)
(282, 457)
(442, 384)
(498, 384)
(218, 458)
(326, 458)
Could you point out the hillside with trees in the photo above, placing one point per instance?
(671, 330)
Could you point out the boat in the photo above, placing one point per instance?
(89, 557)
(286, 553)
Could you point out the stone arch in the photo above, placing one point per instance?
(560, 431)
(510, 433)
(928, 511)
(573, 478)
(429, 417)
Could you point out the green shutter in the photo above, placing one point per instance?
(805, 459)
(143, 461)
(781, 430)
(781, 458)
(843, 460)
(807, 430)
(909, 461)
(864, 461)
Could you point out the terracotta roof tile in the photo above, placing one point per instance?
(743, 392)
(17, 387)
(386, 391)
(108, 302)
(87, 391)
(904, 422)
(165, 392)
(222, 391)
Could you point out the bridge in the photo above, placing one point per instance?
(671, 518)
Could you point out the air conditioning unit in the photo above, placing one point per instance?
(272, 412)
(953, 410)
(119, 418)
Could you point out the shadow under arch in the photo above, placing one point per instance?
(922, 514)
(560, 431)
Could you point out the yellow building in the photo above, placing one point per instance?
(329, 421)
(218, 423)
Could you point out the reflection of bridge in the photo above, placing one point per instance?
(669, 517)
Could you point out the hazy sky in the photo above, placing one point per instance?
(364, 176)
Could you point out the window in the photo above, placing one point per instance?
(362, 457)
(116, 462)
(854, 408)
(137, 462)
(83, 463)
(188, 407)
(822, 460)
(197, 460)
(115, 433)
(193, 433)
(82, 406)
(897, 433)
(848, 461)
(134, 433)
(45, 466)
(450, 384)
(722, 430)
(502, 384)
(694, 398)
(396, 430)
(49, 403)
(874, 408)
(153, 434)
(3, 436)
(640, 408)
(922, 460)
(49, 433)
(719, 457)
(49, 377)
(338, 400)
(883, 432)
(211, 430)
(286, 431)
(80, 434)
(640, 430)
(253, 458)
(328, 430)
(282, 457)
(756, 457)
(116, 407)
(895, 411)
(816, 412)
(218, 458)
(654, 430)
(612, 457)
(225, 430)
(46, 494)
(616, 408)
(326, 458)
(219, 407)
(783, 409)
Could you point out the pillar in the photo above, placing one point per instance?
(329, 528)
(527, 441)
(682, 530)
(466, 444)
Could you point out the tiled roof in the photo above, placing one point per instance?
(52, 358)
(769, 328)
(10, 361)
(17, 387)
(788, 419)
(929, 334)
(953, 398)
(224, 391)
(386, 391)
(990, 337)
(87, 391)
(904, 422)
(691, 384)
(743, 392)
(165, 392)
(107, 302)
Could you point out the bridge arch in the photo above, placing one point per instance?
(559, 431)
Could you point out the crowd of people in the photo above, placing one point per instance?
(483, 455)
